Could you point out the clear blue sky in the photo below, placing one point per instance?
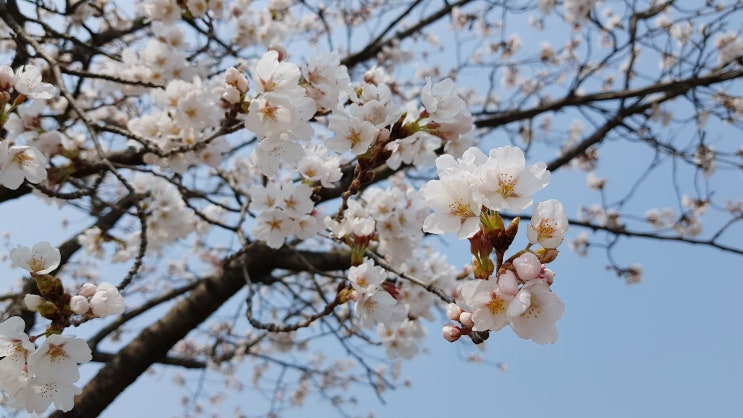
(669, 346)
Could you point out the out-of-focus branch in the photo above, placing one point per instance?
(676, 87)
(374, 47)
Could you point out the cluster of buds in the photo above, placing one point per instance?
(53, 302)
(236, 86)
(515, 291)
(35, 376)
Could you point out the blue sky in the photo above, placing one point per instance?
(669, 346)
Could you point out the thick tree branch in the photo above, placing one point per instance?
(154, 342)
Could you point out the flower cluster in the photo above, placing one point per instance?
(374, 303)
(21, 162)
(285, 210)
(518, 296)
(97, 300)
(501, 181)
(35, 377)
(468, 198)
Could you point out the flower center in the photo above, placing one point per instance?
(496, 304)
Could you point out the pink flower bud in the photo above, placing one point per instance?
(547, 274)
(453, 311)
(451, 333)
(527, 266)
(466, 319)
(508, 282)
(231, 76)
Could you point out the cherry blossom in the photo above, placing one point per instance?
(441, 101)
(223, 130)
(41, 259)
(489, 304)
(19, 163)
(28, 81)
(273, 227)
(352, 134)
(273, 76)
(366, 278)
(455, 205)
(507, 183)
(13, 340)
(527, 266)
(548, 224)
(57, 358)
(379, 307)
(533, 312)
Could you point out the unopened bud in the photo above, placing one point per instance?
(547, 255)
(231, 76)
(510, 233)
(465, 318)
(451, 333)
(33, 302)
(79, 304)
(480, 244)
(453, 311)
(231, 95)
(87, 290)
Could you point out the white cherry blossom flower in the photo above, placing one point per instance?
(367, 277)
(21, 162)
(527, 266)
(327, 81)
(441, 101)
(465, 166)
(273, 226)
(730, 47)
(379, 307)
(455, 207)
(264, 198)
(271, 153)
(403, 341)
(33, 302)
(271, 75)
(534, 311)
(488, 302)
(317, 165)
(296, 199)
(60, 392)
(28, 81)
(506, 183)
(79, 304)
(548, 224)
(351, 134)
(41, 259)
(58, 357)
(13, 339)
